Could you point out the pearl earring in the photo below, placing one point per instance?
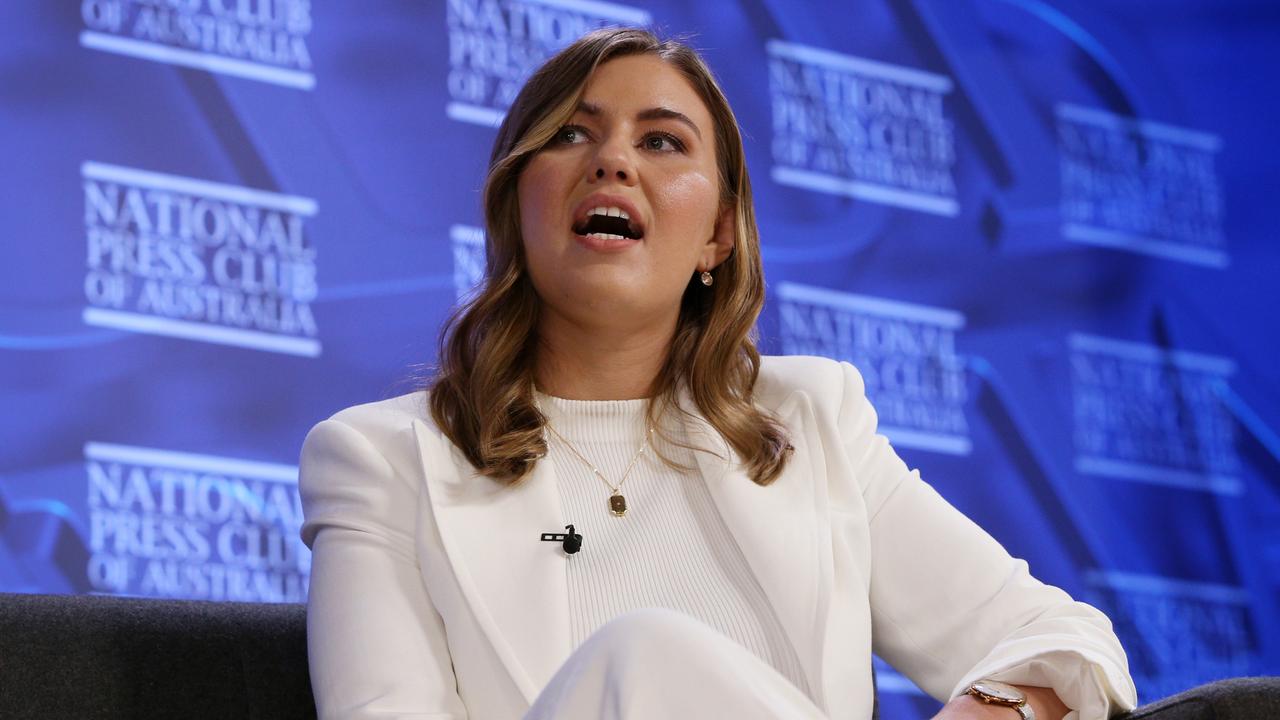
(707, 279)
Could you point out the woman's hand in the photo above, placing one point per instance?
(1044, 701)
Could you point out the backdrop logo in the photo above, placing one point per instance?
(495, 44)
(856, 127)
(467, 242)
(1140, 186)
(176, 525)
(1148, 414)
(258, 39)
(906, 354)
(188, 258)
(1177, 634)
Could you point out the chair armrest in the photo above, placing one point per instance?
(1246, 698)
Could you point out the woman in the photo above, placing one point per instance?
(746, 540)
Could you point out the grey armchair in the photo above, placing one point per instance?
(90, 657)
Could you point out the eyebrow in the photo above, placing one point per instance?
(654, 113)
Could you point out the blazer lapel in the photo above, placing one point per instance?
(779, 527)
(514, 583)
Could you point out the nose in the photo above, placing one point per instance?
(613, 160)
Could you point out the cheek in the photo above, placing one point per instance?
(690, 200)
(541, 197)
(532, 191)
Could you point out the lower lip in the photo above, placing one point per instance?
(604, 244)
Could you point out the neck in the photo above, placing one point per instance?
(580, 362)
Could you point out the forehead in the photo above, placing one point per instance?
(632, 83)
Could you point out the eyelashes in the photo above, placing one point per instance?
(659, 135)
(562, 136)
(573, 134)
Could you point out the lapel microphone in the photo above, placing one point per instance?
(572, 540)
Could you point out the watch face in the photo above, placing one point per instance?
(1001, 692)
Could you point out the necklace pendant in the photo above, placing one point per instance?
(617, 504)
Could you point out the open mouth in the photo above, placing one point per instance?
(609, 223)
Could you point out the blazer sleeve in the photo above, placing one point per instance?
(949, 605)
(376, 644)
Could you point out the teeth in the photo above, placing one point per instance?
(605, 236)
(610, 212)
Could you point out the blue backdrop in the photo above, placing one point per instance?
(1041, 228)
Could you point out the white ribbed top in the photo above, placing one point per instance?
(672, 548)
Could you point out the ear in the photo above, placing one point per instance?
(722, 239)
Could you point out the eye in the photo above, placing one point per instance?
(570, 135)
(662, 142)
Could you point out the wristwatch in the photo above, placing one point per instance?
(994, 692)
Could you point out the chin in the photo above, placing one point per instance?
(614, 297)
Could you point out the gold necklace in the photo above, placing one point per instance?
(617, 502)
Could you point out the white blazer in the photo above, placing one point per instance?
(432, 596)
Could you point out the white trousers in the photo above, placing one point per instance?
(656, 663)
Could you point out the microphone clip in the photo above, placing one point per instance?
(572, 541)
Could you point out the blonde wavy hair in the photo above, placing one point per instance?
(482, 394)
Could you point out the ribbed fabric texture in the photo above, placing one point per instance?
(672, 548)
